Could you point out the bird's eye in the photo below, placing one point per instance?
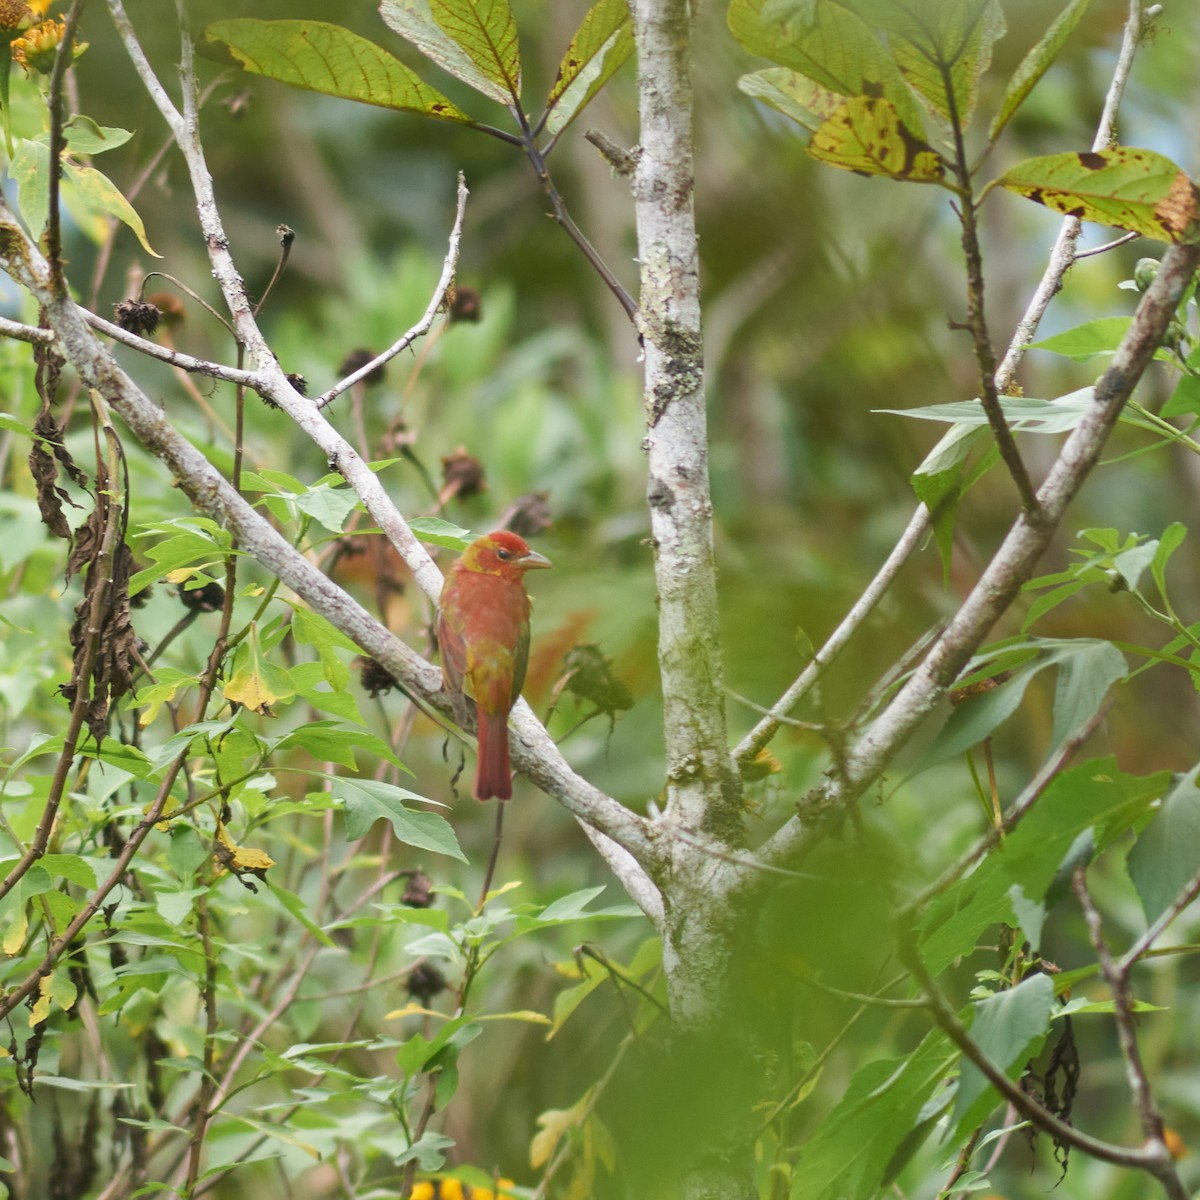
(504, 554)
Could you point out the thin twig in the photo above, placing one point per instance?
(1118, 983)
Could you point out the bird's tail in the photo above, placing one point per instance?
(493, 775)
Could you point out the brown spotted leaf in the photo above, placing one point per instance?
(329, 59)
(865, 134)
(829, 44)
(1125, 187)
(793, 94)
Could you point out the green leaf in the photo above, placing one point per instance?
(942, 48)
(30, 167)
(331, 60)
(1087, 669)
(866, 135)
(1094, 798)
(71, 867)
(1009, 1028)
(1093, 338)
(854, 1145)
(1125, 187)
(1166, 857)
(296, 906)
(1035, 64)
(1170, 541)
(441, 533)
(1185, 399)
(940, 494)
(176, 907)
(83, 136)
(600, 47)
(830, 45)
(98, 192)
(795, 95)
(330, 506)
(368, 800)
(1023, 413)
(1031, 916)
(256, 683)
(474, 40)
(333, 741)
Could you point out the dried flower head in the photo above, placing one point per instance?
(462, 474)
(376, 678)
(466, 304)
(137, 316)
(358, 359)
(425, 982)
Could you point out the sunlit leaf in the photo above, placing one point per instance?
(942, 47)
(437, 532)
(329, 59)
(829, 44)
(474, 40)
(256, 683)
(602, 44)
(795, 95)
(1125, 187)
(1093, 338)
(98, 192)
(1035, 64)
(865, 134)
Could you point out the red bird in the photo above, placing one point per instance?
(483, 633)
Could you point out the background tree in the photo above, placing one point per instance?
(220, 884)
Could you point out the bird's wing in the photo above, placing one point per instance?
(520, 662)
(454, 655)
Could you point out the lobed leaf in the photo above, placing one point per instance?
(1125, 187)
(325, 58)
(368, 800)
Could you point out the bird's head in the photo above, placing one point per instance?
(502, 553)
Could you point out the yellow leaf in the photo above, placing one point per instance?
(14, 939)
(255, 683)
(527, 1015)
(39, 1012)
(866, 134)
(414, 1010)
(241, 858)
(555, 1122)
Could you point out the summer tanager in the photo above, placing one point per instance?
(483, 633)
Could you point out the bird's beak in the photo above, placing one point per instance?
(533, 561)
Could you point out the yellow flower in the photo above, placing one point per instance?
(35, 50)
(39, 7)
